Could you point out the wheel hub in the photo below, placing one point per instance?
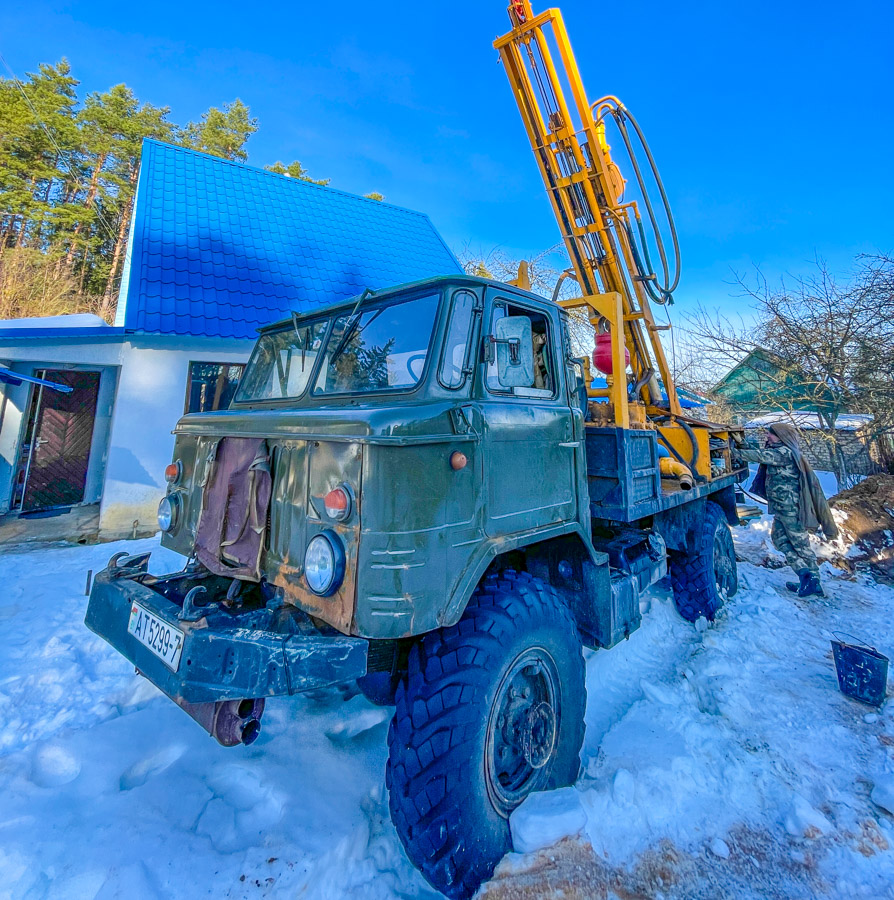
(539, 735)
(522, 729)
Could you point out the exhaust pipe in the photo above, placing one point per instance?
(229, 722)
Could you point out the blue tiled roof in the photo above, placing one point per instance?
(220, 249)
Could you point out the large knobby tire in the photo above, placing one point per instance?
(704, 578)
(491, 709)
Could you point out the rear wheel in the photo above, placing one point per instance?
(703, 579)
(491, 710)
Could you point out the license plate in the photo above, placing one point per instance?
(165, 641)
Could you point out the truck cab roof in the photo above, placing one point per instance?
(437, 282)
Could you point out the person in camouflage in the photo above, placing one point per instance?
(796, 502)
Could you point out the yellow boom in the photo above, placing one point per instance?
(586, 190)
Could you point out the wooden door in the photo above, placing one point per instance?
(60, 441)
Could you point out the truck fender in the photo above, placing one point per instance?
(563, 557)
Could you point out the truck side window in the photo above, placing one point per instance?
(544, 382)
(452, 373)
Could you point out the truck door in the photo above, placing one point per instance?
(529, 440)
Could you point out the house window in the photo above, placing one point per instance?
(211, 386)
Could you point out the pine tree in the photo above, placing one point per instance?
(68, 178)
(38, 140)
(221, 132)
(295, 170)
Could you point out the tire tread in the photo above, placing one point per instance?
(436, 726)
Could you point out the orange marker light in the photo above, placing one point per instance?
(458, 460)
(172, 472)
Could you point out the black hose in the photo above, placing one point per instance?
(669, 286)
(673, 451)
(695, 451)
(648, 375)
(692, 440)
(659, 293)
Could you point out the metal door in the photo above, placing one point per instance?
(530, 456)
(59, 443)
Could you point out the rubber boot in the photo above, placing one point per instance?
(812, 588)
(797, 586)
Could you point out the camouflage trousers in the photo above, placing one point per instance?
(790, 538)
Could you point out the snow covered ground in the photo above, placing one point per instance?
(108, 790)
(726, 753)
(718, 739)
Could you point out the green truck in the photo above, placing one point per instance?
(408, 491)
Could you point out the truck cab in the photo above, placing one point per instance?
(445, 416)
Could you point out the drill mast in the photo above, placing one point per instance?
(586, 189)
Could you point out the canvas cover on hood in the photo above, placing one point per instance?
(230, 533)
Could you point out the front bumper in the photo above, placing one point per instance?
(221, 660)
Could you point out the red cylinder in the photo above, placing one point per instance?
(602, 355)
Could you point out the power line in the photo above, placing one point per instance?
(110, 230)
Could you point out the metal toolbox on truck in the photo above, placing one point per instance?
(622, 472)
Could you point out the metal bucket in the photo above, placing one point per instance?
(862, 671)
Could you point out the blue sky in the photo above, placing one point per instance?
(772, 123)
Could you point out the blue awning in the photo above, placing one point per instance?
(7, 376)
(688, 399)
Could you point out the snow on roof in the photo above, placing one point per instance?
(809, 421)
(73, 320)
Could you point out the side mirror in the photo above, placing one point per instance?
(514, 351)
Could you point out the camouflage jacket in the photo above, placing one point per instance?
(783, 478)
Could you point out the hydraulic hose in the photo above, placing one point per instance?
(695, 451)
(647, 376)
(692, 463)
(659, 292)
(672, 449)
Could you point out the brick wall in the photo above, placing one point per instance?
(862, 458)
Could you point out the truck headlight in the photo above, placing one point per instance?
(324, 564)
(168, 512)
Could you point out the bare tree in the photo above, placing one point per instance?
(829, 344)
(37, 284)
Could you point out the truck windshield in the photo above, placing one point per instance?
(282, 363)
(380, 348)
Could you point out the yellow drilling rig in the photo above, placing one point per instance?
(606, 238)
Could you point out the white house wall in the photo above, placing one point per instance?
(12, 410)
(147, 377)
(151, 395)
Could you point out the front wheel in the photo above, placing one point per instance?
(491, 710)
(705, 577)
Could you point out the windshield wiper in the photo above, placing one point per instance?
(353, 322)
(301, 342)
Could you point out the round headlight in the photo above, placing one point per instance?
(324, 564)
(168, 512)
